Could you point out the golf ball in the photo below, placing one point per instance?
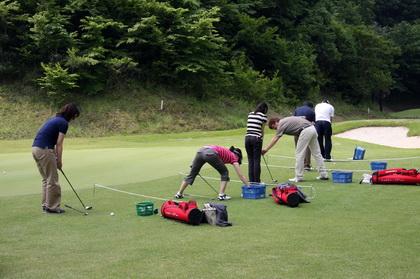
(112, 213)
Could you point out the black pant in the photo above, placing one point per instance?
(324, 131)
(253, 146)
(207, 155)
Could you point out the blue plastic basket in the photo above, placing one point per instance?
(378, 165)
(359, 153)
(255, 191)
(342, 176)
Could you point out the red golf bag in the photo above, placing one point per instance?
(288, 194)
(396, 176)
(182, 211)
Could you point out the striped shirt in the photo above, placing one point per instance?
(227, 156)
(255, 123)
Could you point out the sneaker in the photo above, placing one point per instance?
(328, 160)
(295, 180)
(322, 177)
(224, 197)
(307, 168)
(54, 211)
(179, 196)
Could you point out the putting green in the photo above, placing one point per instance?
(348, 230)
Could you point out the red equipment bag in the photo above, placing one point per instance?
(396, 176)
(288, 194)
(182, 211)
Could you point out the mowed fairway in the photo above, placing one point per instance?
(348, 231)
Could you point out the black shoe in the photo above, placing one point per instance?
(54, 211)
(322, 177)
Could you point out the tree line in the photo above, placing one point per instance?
(282, 51)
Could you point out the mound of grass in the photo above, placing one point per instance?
(411, 113)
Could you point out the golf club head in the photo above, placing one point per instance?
(88, 207)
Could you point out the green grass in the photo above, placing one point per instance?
(410, 113)
(348, 231)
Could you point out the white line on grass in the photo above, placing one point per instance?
(351, 160)
(128, 193)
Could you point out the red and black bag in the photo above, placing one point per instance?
(182, 211)
(288, 194)
(396, 176)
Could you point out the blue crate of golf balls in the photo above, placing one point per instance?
(342, 176)
(254, 191)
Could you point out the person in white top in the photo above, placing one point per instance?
(324, 112)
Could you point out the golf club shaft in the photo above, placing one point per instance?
(73, 188)
(208, 184)
(272, 179)
(75, 209)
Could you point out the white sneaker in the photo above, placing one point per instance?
(295, 180)
(224, 197)
(179, 196)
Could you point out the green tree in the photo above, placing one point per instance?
(9, 43)
(49, 34)
(407, 37)
(57, 82)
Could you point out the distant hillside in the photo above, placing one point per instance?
(139, 112)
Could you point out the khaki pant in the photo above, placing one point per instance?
(309, 138)
(47, 166)
(307, 161)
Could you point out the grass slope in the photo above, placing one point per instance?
(348, 231)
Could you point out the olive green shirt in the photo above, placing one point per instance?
(292, 125)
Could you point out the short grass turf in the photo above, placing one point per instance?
(347, 231)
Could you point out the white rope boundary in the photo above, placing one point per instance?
(310, 197)
(350, 159)
(146, 196)
(128, 193)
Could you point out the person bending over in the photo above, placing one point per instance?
(254, 140)
(217, 157)
(298, 126)
(47, 151)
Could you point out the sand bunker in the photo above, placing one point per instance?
(389, 136)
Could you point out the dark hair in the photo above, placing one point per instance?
(308, 104)
(261, 107)
(272, 121)
(325, 100)
(237, 152)
(69, 111)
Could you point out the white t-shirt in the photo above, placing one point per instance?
(324, 112)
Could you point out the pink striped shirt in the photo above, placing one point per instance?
(227, 156)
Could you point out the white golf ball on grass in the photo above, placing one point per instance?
(112, 213)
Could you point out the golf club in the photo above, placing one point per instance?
(208, 184)
(272, 179)
(85, 207)
(68, 206)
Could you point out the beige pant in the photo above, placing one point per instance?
(307, 161)
(308, 138)
(47, 166)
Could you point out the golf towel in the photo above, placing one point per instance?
(216, 214)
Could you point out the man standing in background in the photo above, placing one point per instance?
(324, 112)
(306, 110)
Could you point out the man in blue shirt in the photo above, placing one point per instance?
(47, 151)
(306, 110)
